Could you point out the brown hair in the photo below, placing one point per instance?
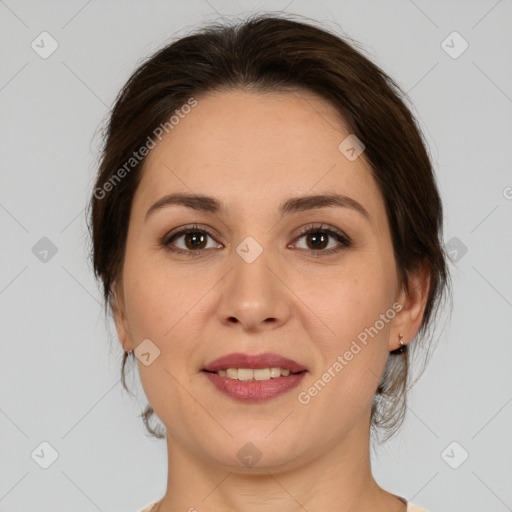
(276, 53)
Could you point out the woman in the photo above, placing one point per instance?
(267, 229)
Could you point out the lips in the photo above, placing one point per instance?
(254, 391)
(265, 360)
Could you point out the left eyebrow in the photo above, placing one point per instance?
(304, 203)
(292, 205)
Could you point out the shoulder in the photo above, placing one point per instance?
(410, 508)
(149, 508)
(414, 508)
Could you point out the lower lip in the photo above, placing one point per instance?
(255, 390)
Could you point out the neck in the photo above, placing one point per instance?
(337, 479)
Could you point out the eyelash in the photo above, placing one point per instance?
(338, 236)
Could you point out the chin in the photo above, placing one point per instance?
(256, 452)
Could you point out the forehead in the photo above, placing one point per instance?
(254, 147)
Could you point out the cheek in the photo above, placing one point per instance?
(357, 309)
(158, 295)
(166, 306)
(162, 307)
(350, 301)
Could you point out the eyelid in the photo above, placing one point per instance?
(326, 228)
(180, 230)
(344, 241)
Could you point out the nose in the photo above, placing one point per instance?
(254, 294)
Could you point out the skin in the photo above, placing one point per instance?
(252, 151)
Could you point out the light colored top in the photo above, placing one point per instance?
(410, 507)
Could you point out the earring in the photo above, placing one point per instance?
(402, 344)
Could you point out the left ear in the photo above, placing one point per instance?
(408, 320)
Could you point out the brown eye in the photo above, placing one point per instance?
(194, 241)
(318, 239)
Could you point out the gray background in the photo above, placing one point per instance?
(59, 373)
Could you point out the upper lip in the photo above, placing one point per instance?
(266, 360)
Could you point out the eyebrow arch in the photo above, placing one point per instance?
(209, 204)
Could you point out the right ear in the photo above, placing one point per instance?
(119, 314)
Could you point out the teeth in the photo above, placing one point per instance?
(275, 372)
(232, 373)
(246, 374)
(260, 374)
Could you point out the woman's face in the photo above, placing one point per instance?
(254, 284)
